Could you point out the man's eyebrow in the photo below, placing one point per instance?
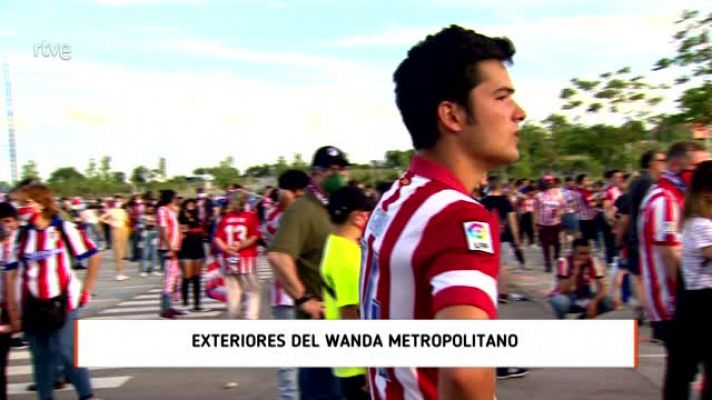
(504, 90)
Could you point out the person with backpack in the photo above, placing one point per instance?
(51, 292)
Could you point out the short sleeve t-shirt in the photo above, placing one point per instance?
(340, 268)
(696, 269)
(303, 229)
(501, 206)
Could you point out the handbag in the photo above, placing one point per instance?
(232, 265)
(44, 315)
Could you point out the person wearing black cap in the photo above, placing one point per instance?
(296, 253)
(349, 209)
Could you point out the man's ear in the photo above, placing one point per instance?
(451, 116)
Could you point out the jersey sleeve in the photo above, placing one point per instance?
(666, 217)
(597, 269)
(459, 250)
(78, 242)
(10, 250)
(563, 269)
(161, 219)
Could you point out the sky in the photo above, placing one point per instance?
(197, 81)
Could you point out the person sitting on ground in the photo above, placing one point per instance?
(575, 275)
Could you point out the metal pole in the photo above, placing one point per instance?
(10, 126)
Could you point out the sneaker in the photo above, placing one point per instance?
(157, 273)
(18, 343)
(121, 277)
(143, 275)
(170, 314)
(517, 297)
(509, 373)
(200, 309)
(180, 311)
(503, 298)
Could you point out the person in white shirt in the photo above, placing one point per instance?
(694, 301)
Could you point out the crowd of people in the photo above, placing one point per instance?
(435, 244)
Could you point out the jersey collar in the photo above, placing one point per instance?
(434, 171)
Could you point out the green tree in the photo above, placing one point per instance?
(694, 57)
(224, 173)
(298, 162)
(105, 169)
(140, 176)
(91, 171)
(29, 171)
(280, 166)
(65, 174)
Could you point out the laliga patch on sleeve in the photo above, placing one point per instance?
(670, 227)
(478, 236)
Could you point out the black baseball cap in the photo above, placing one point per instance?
(346, 200)
(327, 156)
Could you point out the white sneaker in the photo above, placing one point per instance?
(157, 273)
(143, 274)
(121, 277)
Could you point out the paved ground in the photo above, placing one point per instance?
(137, 298)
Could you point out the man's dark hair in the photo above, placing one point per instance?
(580, 178)
(443, 67)
(165, 197)
(7, 210)
(568, 179)
(648, 157)
(579, 243)
(679, 150)
(609, 174)
(293, 179)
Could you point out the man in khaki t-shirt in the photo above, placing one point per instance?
(296, 254)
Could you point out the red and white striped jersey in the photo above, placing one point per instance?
(612, 193)
(45, 258)
(526, 205)
(573, 201)
(235, 227)
(549, 206)
(586, 212)
(277, 295)
(427, 246)
(269, 227)
(168, 220)
(659, 225)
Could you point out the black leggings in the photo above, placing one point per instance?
(687, 341)
(526, 228)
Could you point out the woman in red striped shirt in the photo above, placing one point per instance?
(51, 292)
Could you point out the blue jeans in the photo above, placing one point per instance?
(318, 384)
(148, 251)
(566, 304)
(286, 377)
(49, 349)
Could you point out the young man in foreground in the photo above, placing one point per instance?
(431, 251)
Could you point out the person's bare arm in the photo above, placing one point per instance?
(349, 312)
(514, 227)
(671, 259)
(707, 252)
(622, 228)
(13, 309)
(92, 273)
(285, 269)
(465, 383)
